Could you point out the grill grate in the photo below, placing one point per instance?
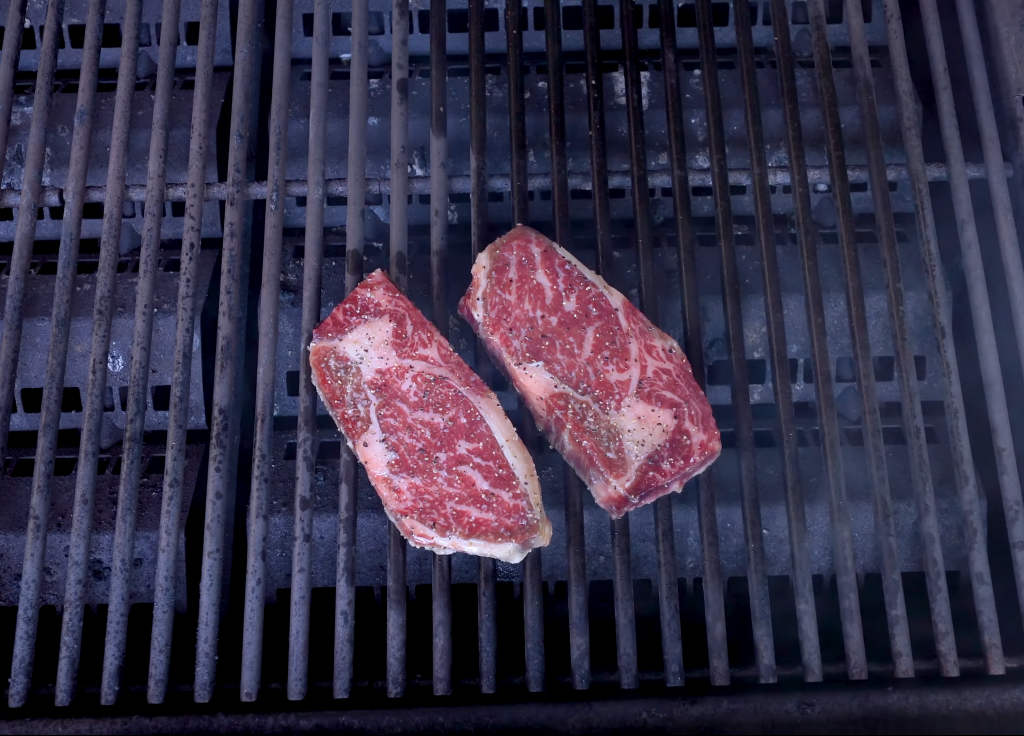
(637, 134)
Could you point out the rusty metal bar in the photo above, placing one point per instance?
(399, 259)
(177, 417)
(803, 588)
(892, 582)
(10, 346)
(757, 576)
(49, 419)
(224, 425)
(266, 361)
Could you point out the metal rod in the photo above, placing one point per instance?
(178, 414)
(266, 361)
(399, 181)
(913, 421)
(396, 588)
(1006, 233)
(312, 279)
(988, 128)
(462, 184)
(714, 600)
(487, 615)
(960, 447)
(24, 236)
(533, 583)
(533, 611)
(625, 613)
(397, 600)
(757, 576)
(138, 383)
(842, 549)
(8, 67)
(579, 619)
(345, 583)
(49, 419)
(441, 602)
(803, 587)
(892, 582)
(441, 593)
(963, 462)
(516, 111)
(487, 631)
(224, 425)
(10, 346)
(977, 292)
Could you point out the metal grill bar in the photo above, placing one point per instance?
(963, 462)
(533, 585)
(842, 536)
(345, 584)
(461, 184)
(1006, 229)
(8, 67)
(714, 601)
(920, 466)
(579, 620)
(306, 439)
(487, 631)
(177, 417)
(135, 416)
(625, 611)
(49, 420)
(24, 237)
(803, 589)
(977, 286)
(757, 577)
(224, 429)
(892, 583)
(10, 346)
(266, 361)
(396, 594)
(441, 593)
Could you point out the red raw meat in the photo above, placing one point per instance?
(613, 393)
(443, 457)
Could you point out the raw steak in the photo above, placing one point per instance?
(613, 393)
(445, 460)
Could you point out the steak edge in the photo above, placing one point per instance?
(450, 469)
(613, 393)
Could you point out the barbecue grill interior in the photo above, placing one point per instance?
(819, 199)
